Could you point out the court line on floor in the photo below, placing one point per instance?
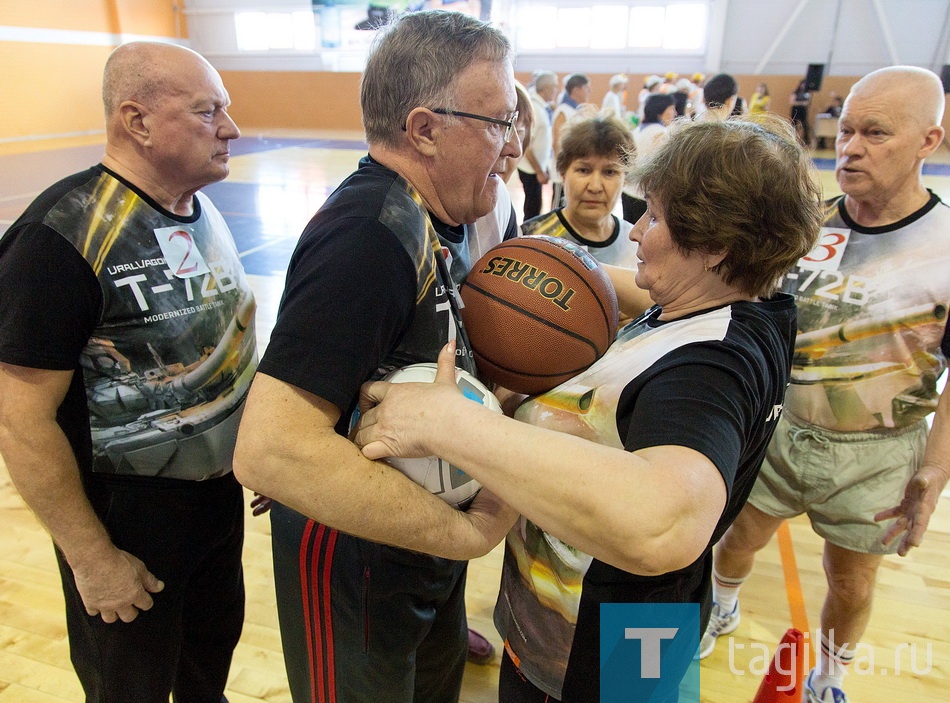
(21, 196)
(793, 586)
(254, 250)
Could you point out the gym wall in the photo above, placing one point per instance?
(313, 100)
(51, 85)
(51, 88)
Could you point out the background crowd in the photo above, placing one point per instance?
(130, 417)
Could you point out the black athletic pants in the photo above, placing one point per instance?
(532, 194)
(190, 535)
(364, 623)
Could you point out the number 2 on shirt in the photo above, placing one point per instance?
(181, 252)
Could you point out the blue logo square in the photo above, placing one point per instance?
(646, 652)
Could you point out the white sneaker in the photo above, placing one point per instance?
(719, 624)
(830, 694)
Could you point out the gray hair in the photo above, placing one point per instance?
(414, 62)
(545, 78)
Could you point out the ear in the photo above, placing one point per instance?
(133, 118)
(423, 131)
(711, 261)
(932, 139)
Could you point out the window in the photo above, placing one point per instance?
(685, 27)
(264, 31)
(647, 27)
(658, 26)
(610, 23)
(536, 26)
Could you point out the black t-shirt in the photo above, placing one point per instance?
(368, 290)
(150, 310)
(713, 382)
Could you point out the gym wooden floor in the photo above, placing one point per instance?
(276, 183)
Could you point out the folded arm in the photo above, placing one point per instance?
(647, 512)
(288, 450)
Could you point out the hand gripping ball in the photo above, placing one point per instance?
(439, 477)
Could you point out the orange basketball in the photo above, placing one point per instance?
(538, 311)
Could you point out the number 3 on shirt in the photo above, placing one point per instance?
(828, 252)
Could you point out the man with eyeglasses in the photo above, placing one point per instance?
(369, 567)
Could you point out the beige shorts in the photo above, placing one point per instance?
(839, 479)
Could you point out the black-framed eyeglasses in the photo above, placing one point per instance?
(508, 124)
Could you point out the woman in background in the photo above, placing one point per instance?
(658, 113)
(657, 116)
(595, 154)
(760, 101)
(800, 101)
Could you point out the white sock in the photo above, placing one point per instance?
(726, 591)
(833, 661)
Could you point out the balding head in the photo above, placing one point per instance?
(917, 92)
(545, 85)
(889, 125)
(544, 80)
(146, 71)
(167, 121)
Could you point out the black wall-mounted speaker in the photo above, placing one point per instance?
(816, 72)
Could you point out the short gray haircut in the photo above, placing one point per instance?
(544, 79)
(414, 62)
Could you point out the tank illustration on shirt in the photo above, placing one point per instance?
(872, 309)
(171, 359)
(439, 268)
(543, 578)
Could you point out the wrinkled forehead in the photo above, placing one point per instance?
(598, 158)
(488, 85)
(887, 97)
(199, 83)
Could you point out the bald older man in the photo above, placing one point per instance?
(126, 351)
(851, 450)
